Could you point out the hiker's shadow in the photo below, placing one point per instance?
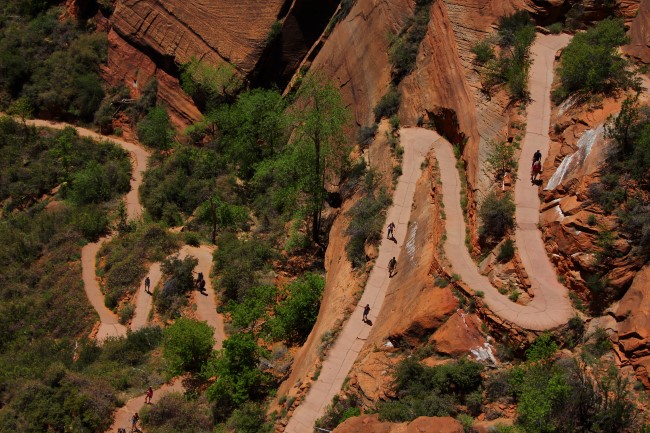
(368, 322)
(392, 238)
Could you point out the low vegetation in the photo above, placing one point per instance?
(404, 46)
(591, 62)
(367, 219)
(49, 67)
(123, 261)
(505, 57)
(496, 214)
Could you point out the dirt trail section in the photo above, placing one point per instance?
(355, 332)
(144, 300)
(550, 295)
(139, 157)
(123, 415)
(109, 323)
(206, 304)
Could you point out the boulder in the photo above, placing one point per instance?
(423, 424)
(458, 335)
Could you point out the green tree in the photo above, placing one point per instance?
(591, 62)
(497, 215)
(155, 130)
(210, 85)
(221, 214)
(501, 159)
(320, 117)
(238, 378)
(296, 315)
(187, 345)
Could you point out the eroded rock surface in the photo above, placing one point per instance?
(423, 424)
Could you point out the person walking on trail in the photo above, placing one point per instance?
(134, 422)
(391, 229)
(148, 396)
(366, 311)
(535, 171)
(392, 264)
(537, 156)
(147, 284)
(202, 286)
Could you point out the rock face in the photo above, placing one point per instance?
(460, 334)
(129, 66)
(423, 424)
(214, 31)
(633, 313)
(639, 46)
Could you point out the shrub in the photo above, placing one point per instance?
(338, 411)
(249, 418)
(497, 215)
(507, 251)
(591, 63)
(542, 349)
(238, 264)
(92, 222)
(365, 134)
(295, 316)
(555, 28)
(388, 105)
(174, 412)
(187, 345)
(483, 51)
(180, 281)
(155, 130)
(510, 25)
(366, 224)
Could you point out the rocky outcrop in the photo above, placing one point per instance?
(639, 46)
(129, 66)
(459, 335)
(633, 328)
(214, 31)
(423, 424)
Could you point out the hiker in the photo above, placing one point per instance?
(202, 286)
(537, 168)
(537, 156)
(148, 396)
(366, 310)
(391, 229)
(121, 430)
(134, 422)
(391, 267)
(147, 284)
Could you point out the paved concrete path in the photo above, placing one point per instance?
(550, 296)
(123, 415)
(355, 332)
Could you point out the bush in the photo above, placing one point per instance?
(431, 391)
(483, 51)
(338, 411)
(174, 412)
(555, 28)
(155, 130)
(294, 317)
(238, 378)
(187, 345)
(249, 418)
(388, 105)
(497, 216)
(365, 134)
(238, 263)
(366, 225)
(180, 281)
(591, 62)
(92, 222)
(404, 47)
(507, 251)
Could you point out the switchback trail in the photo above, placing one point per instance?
(122, 418)
(355, 332)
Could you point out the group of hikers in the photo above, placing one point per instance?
(136, 417)
(392, 267)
